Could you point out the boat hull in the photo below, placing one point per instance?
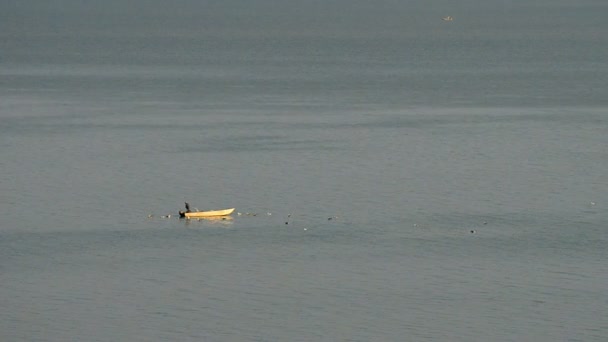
(211, 213)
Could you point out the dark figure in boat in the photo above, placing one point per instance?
(183, 213)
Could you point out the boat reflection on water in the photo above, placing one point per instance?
(215, 220)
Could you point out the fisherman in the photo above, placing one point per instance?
(183, 213)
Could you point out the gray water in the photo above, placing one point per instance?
(396, 177)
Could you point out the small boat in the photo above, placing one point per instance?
(448, 18)
(203, 214)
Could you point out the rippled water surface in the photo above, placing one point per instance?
(395, 176)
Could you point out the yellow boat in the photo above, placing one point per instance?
(203, 214)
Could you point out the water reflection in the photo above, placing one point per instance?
(213, 220)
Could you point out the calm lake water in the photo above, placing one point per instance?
(397, 177)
